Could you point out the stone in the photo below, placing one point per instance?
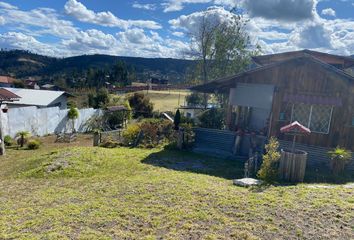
(247, 182)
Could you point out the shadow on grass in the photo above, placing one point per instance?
(231, 168)
(196, 163)
(324, 175)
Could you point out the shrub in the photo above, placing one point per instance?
(340, 157)
(22, 137)
(269, 169)
(73, 114)
(101, 98)
(195, 99)
(177, 119)
(109, 143)
(189, 135)
(8, 141)
(141, 105)
(155, 131)
(33, 144)
(212, 118)
(130, 134)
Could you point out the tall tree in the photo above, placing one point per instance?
(221, 46)
(120, 73)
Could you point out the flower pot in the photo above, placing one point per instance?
(292, 165)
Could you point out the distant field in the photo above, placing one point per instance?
(167, 100)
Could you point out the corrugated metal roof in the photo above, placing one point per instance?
(6, 95)
(117, 108)
(35, 97)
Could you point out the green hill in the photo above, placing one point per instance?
(24, 64)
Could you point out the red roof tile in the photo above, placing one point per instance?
(6, 79)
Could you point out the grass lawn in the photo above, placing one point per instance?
(167, 100)
(73, 191)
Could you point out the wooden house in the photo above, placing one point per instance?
(310, 87)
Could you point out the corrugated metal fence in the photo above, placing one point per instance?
(221, 142)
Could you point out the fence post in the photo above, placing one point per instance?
(180, 139)
(96, 139)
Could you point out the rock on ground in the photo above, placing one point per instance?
(247, 182)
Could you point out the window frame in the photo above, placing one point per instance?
(310, 118)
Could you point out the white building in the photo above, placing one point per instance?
(38, 98)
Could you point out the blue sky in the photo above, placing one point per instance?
(149, 28)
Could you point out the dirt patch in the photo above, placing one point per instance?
(59, 163)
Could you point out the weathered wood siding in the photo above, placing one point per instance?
(306, 77)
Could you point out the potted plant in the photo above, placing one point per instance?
(339, 158)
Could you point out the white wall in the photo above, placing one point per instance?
(42, 121)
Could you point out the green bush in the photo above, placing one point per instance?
(8, 140)
(213, 118)
(155, 131)
(141, 105)
(270, 166)
(196, 99)
(33, 144)
(189, 135)
(130, 134)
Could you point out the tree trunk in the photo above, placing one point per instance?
(22, 140)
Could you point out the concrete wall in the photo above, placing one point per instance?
(61, 102)
(42, 121)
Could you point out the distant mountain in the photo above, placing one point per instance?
(23, 64)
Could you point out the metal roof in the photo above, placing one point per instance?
(6, 95)
(224, 84)
(117, 108)
(35, 97)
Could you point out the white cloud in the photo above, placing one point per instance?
(328, 12)
(2, 20)
(178, 34)
(312, 36)
(191, 22)
(177, 5)
(7, 5)
(147, 6)
(279, 35)
(46, 20)
(22, 41)
(91, 39)
(228, 3)
(135, 36)
(286, 10)
(137, 42)
(108, 19)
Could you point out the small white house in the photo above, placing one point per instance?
(191, 111)
(38, 98)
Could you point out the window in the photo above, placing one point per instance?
(316, 117)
